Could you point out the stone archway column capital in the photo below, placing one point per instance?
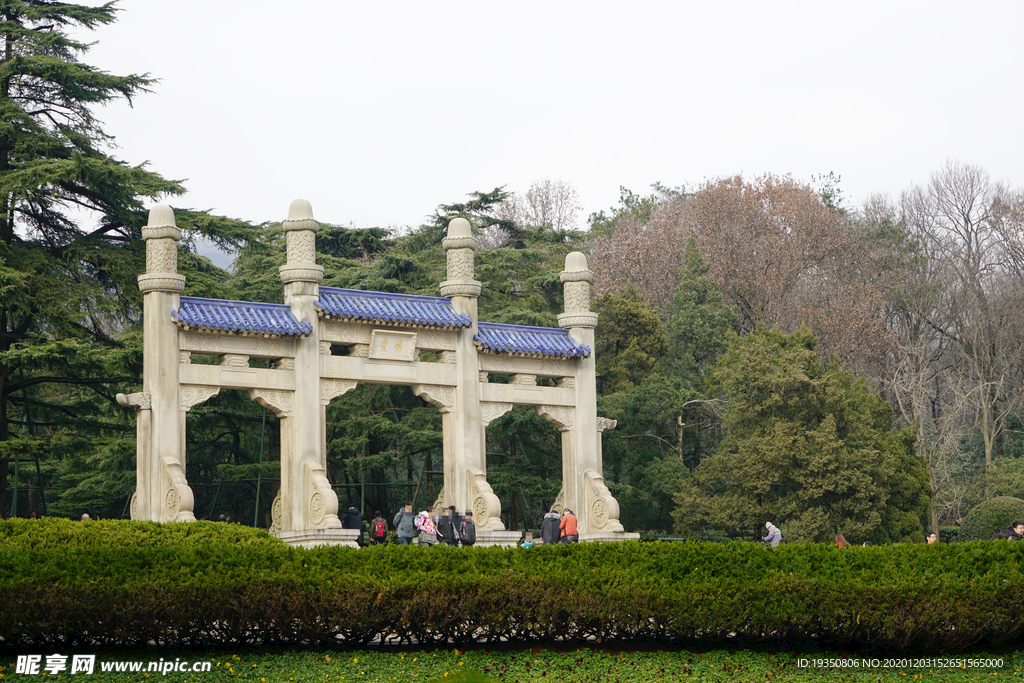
(140, 400)
(441, 397)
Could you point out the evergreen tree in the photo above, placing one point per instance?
(630, 340)
(70, 247)
(804, 446)
(698, 322)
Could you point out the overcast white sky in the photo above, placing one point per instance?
(376, 112)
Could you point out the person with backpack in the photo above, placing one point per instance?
(379, 529)
(467, 530)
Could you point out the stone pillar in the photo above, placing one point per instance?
(162, 493)
(308, 503)
(463, 451)
(583, 482)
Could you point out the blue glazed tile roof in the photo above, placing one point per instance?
(393, 309)
(528, 341)
(246, 317)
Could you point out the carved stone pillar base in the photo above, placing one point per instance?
(178, 500)
(310, 538)
(486, 506)
(609, 537)
(321, 500)
(602, 508)
(502, 538)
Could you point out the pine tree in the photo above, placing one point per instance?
(70, 247)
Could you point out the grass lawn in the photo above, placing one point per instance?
(567, 665)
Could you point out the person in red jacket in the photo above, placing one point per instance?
(568, 527)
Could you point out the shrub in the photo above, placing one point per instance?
(889, 598)
(995, 514)
(57, 532)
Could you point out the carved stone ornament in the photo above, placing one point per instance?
(489, 412)
(321, 500)
(442, 397)
(133, 507)
(284, 364)
(172, 499)
(276, 514)
(178, 499)
(566, 382)
(486, 506)
(192, 395)
(185, 357)
(316, 509)
(561, 416)
(140, 401)
(604, 423)
(577, 297)
(162, 282)
(280, 401)
(576, 268)
(333, 388)
(161, 256)
(460, 264)
(570, 320)
(523, 379)
(301, 246)
(470, 288)
(234, 360)
(602, 508)
(306, 273)
(300, 217)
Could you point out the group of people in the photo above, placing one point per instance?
(449, 528)
(1014, 533)
(555, 529)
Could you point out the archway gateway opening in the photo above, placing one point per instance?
(386, 339)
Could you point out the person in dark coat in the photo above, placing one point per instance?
(467, 529)
(549, 531)
(446, 528)
(353, 520)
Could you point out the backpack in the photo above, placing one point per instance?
(381, 530)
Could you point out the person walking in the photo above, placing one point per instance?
(378, 529)
(405, 526)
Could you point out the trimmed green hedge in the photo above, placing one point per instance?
(897, 598)
(56, 532)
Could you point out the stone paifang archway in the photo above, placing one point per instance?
(384, 335)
